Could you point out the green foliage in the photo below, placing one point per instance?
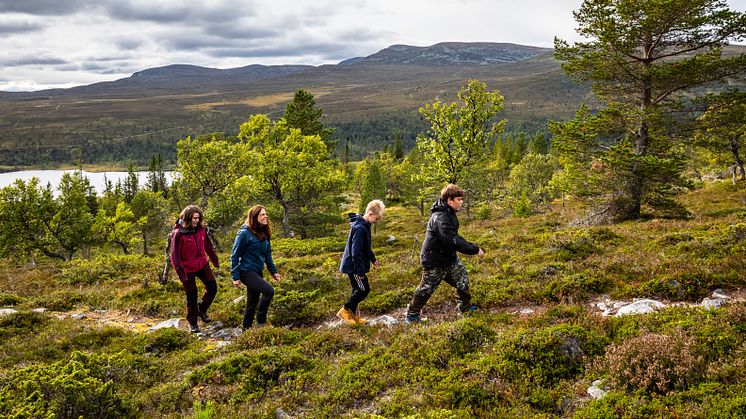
(107, 268)
(460, 136)
(167, 340)
(78, 387)
(9, 299)
(528, 185)
(24, 208)
(646, 60)
(22, 322)
(303, 114)
(372, 182)
(295, 307)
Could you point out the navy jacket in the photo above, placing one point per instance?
(441, 238)
(250, 254)
(358, 255)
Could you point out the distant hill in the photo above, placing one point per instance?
(368, 100)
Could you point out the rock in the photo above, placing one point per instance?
(79, 316)
(39, 310)
(239, 299)
(280, 414)
(227, 334)
(718, 293)
(6, 311)
(526, 310)
(596, 391)
(384, 320)
(165, 324)
(222, 343)
(640, 306)
(713, 303)
(390, 239)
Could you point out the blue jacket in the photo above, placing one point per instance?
(358, 255)
(250, 254)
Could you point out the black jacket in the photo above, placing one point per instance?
(358, 255)
(441, 238)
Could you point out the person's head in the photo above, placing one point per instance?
(374, 211)
(191, 216)
(453, 196)
(257, 221)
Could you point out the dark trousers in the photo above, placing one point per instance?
(454, 275)
(194, 308)
(258, 291)
(360, 290)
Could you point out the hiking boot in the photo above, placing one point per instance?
(347, 316)
(194, 328)
(468, 310)
(358, 319)
(205, 317)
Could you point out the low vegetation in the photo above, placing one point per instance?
(682, 361)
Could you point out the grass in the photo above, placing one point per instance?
(495, 363)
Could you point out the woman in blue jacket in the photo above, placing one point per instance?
(251, 252)
(357, 258)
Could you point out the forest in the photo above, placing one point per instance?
(642, 198)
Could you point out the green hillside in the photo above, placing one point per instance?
(537, 343)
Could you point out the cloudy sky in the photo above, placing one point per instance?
(64, 43)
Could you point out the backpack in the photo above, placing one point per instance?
(167, 259)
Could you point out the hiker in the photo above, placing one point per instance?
(357, 258)
(190, 243)
(438, 256)
(251, 252)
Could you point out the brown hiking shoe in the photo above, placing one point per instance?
(358, 319)
(346, 315)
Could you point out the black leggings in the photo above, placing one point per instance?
(256, 285)
(194, 307)
(360, 290)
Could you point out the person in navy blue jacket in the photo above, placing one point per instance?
(357, 258)
(251, 252)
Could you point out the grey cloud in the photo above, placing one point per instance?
(128, 43)
(8, 28)
(45, 7)
(241, 32)
(330, 51)
(127, 11)
(191, 13)
(33, 60)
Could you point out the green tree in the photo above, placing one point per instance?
(372, 181)
(157, 176)
(643, 58)
(131, 184)
(722, 129)
(529, 182)
(70, 228)
(151, 210)
(122, 229)
(24, 208)
(302, 113)
(291, 168)
(209, 164)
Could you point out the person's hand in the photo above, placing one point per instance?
(277, 277)
(480, 253)
(237, 283)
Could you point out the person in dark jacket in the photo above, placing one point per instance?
(357, 258)
(251, 252)
(190, 243)
(438, 257)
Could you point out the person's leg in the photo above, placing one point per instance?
(211, 289)
(190, 288)
(360, 290)
(458, 278)
(428, 284)
(256, 286)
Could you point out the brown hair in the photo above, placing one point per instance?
(187, 214)
(451, 191)
(262, 232)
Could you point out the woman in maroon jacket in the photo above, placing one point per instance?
(190, 243)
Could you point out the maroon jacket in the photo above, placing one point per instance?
(189, 248)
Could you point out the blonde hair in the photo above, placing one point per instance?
(376, 207)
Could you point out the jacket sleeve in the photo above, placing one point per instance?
(357, 251)
(210, 250)
(236, 252)
(371, 255)
(176, 255)
(448, 234)
(268, 259)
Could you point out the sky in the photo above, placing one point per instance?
(64, 43)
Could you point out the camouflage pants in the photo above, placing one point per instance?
(454, 275)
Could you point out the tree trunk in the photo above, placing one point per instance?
(124, 247)
(287, 231)
(144, 244)
(735, 148)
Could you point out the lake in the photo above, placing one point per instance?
(53, 177)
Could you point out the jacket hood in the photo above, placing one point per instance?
(441, 206)
(356, 219)
(187, 230)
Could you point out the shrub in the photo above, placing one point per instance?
(107, 268)
(167, 340)
(65, 389)
(572, 244)
(7, 300)
(22, 322)
(654, 363)
(295, 307)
